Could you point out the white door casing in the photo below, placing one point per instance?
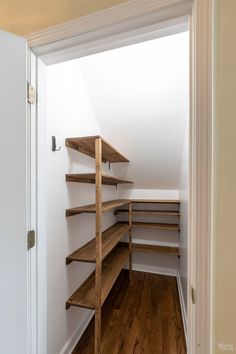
(200, 223)
(14, 196)
(32, 201)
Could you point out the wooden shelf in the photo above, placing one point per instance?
(90, 178)
(138, 247)
(86, 145)
(110, 238)
(156, 201)
(150, 212)
(156, 225)
(92, 207)
(84, 296)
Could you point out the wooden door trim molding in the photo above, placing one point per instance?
(200, 216)
(139, 10)
(111, 28)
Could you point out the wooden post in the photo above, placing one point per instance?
(98, 271)
(130, 241)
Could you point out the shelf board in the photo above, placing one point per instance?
(138, 247)
(84, 296)
(86, 145)
(91, 178)
(92, 207)
(156, 225)
(150, 212)
(156, 201)
(110, 238)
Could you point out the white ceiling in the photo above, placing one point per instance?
(139, 95)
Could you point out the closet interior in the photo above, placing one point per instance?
(117, 190)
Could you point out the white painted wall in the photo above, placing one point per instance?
(184, 215)
(139, 94)
(69, 113)
(132, 193)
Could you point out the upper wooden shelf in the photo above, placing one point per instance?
(84, 296)
(156, 201)
(86, 145)
(110, 238)
(92, 207)
(149, 212)
(91, 178)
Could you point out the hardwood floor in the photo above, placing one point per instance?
(142, 316)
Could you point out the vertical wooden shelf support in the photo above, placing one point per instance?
(98, 271)
(130, 241)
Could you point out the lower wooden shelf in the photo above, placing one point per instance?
(149, 212)
(110, 238)
(139, 247)
(156, 225)
(84, 296)
(156, 201)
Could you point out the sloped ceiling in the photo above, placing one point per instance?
(139, 95)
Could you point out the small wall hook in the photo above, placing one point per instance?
(54, 144)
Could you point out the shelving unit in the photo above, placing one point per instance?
(151, 248)
(105, 250)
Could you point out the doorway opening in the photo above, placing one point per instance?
(137, 98)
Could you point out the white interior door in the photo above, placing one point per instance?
(14, 196)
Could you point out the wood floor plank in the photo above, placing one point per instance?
(141, 316)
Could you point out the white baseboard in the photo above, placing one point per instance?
(182, 305)
(77, 334)
(153, 269)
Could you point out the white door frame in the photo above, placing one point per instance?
(135, 21)
(32, 202)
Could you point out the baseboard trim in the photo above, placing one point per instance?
(182, 305)
(77, 334)
(156, 270)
